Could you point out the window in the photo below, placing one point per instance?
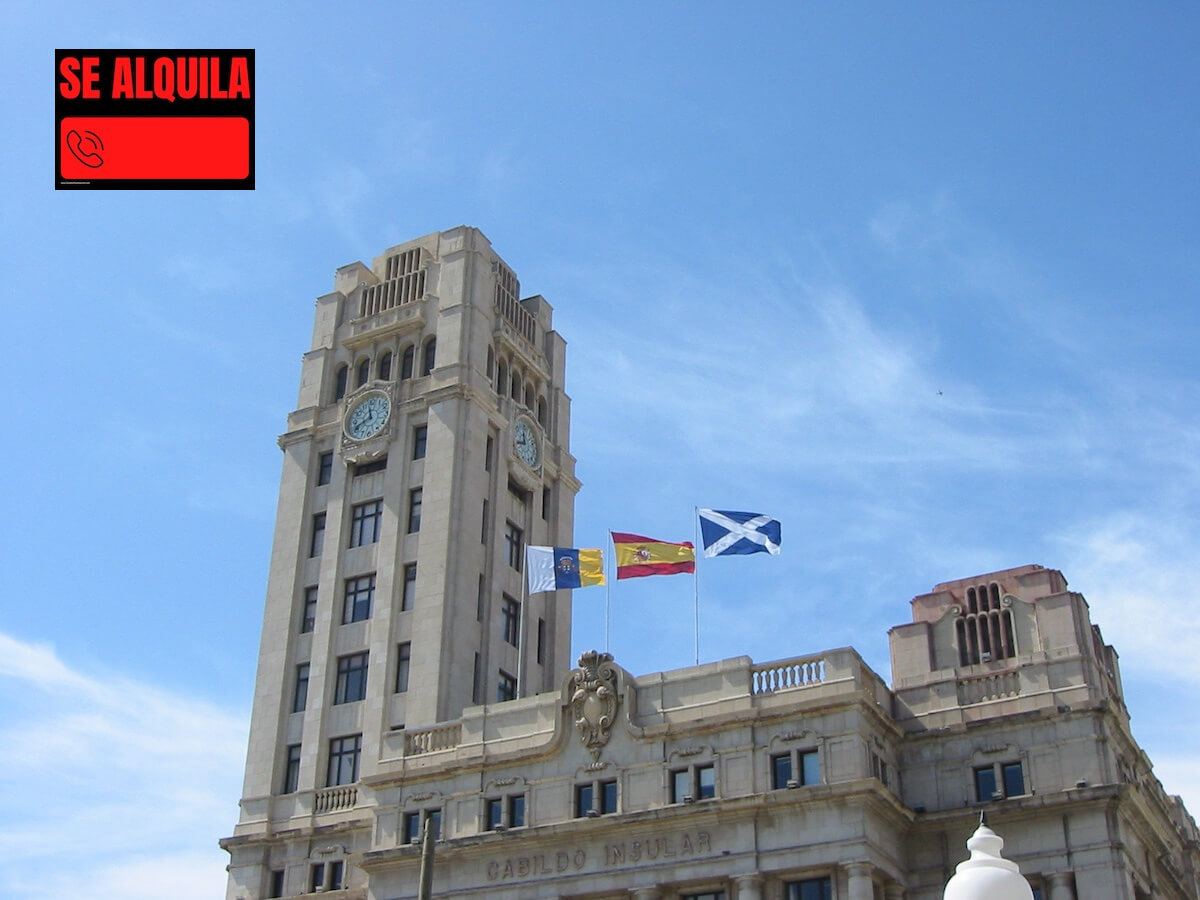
(711, 895)
(360, 592)
(541, 642)
(403, 661)
(364, 523)
(483, 529)
(510, 620)
(693, 783)
(369, 468)
(336, 869)
(325, 468)
(317, 544)
(351, 678)
(385, 367)
(491, 363)
(506, 688)
(406, 362)
(343, 760)
(276, 883)
(291, 770)
(505, 812)
(488, 451)
(414, 510)
(300, 695)
(985, 629)
(419, 435)
(495, 813)
(429, 357)
(502, 378)
(316, 881)
(811, 889)
(339, 382)
(595, 798)
(477, 680)
(547, 503)
(513, 538)
(541, 412)
(783, 766)
(480, 597)
(414, 821)
(308, 618)
(409, 593)
(363, 372)
(516, 811)
(999, 780)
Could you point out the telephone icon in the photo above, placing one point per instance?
(84, 147)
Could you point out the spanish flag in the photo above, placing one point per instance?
(638, 556)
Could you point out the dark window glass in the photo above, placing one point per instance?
(608, 796)
(546, 504)
(336, 868)
(510, 620)
(363, 373)
(477, 681)
(300, 696)
(706, 782)
(365, 521)
(414, 510)
(360, 592)
(325, 468)
(810, 767)
(429, 357)
(495, 813)
(339, 382)
(435, 818)
(343, 760)
(317, 878)
(419, 435)
(781, 770)
(487, 453)
(483, 530)
(385, 367)
(541, 412)
(811, 889)
(1014, 780)
(541, 642)
(681, 785)
(516, 811)
(583, 799)
(506, 688)
(409, 594)
(369, 468)
(985, 783)
(513, 542)
(351, 678)
(317, 544)
(412, 827)
(406, 362)
(403, 661)
(308, 620)
(277, 882)
(291, 772)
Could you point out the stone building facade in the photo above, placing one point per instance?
(801, 779)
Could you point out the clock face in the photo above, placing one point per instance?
(525, 444)
(367, 417)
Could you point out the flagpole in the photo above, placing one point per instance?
(696, 578)
(608, 597)
(521, 617)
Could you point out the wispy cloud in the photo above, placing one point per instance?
(110, 783)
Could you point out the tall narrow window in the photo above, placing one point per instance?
(506, 687)
(308, 617)
(325, 468)
(547, 503)
(363, 374)
(340, 378)
(360, 592)
(488, 451)
(291, 770)
(364, 523)
(406, 362)
(414, 510)
(483, 527)
(513, 543)
(419, 435)
(429, 357)
(317, 543)
(477, 680)
(541, 412)
(277, 882)
(541, 642)
(385, 366)
(409, 594)
(516, 811)
(343, 760)
(316, 880)
(403, 661)
(510, 620)
(300, 695)
(351, 678)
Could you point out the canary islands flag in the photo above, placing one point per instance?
(557, 568)
(638, 556)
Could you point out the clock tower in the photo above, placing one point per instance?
(429, 446)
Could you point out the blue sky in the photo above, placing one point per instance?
(921, 281)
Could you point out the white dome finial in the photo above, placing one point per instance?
(987, 875)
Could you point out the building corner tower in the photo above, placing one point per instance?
(429, 446)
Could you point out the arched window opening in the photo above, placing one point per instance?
(339, 382)
(429, 357)
(541, 413)
(491, 363)
(528, 394)
(363, 373)
(406, 362)
(385, 366)
(502, 378)
(516, 385)
(985, 631)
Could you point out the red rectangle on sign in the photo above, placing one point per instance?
(154, 147)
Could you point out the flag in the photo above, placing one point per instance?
(556, 568)
(728, 533)
(638, 556)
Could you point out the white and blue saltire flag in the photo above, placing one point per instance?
(727, 533)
